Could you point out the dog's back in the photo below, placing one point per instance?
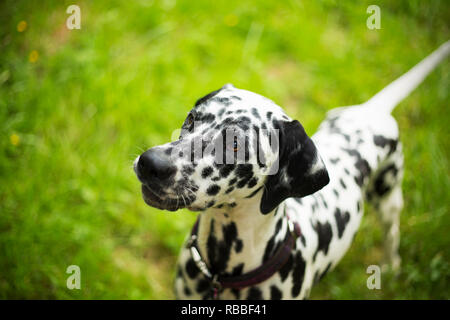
(361, 149)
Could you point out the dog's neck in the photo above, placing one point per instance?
(235, 240)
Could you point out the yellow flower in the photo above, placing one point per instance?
(34, 56)
(231, 20)
(22, 26)
(15, 139)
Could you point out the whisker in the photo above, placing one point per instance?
(184, 200)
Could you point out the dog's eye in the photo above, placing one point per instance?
(235, 145)
(190, 119)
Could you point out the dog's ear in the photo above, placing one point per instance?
(301, 170)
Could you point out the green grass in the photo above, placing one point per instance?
(72, 121)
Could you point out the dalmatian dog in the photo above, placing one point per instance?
(278, 209)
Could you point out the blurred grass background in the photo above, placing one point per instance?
(77, 106)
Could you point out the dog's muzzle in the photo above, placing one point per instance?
(155, 166)
(156, 172)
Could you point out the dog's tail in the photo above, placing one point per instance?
(390, 96)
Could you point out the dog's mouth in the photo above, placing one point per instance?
(164, 202)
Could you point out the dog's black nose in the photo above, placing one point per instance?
(154, 163)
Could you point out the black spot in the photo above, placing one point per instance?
(213, 190)
(168, 151)
(237, 271)
(271, 247)
(226, 170)
(334, 160)
(191, 269)
(298, 274)
(324, 234)
(255, 113)
(211, 244)
(206, 118)
(252, 182)
(342, 183)
(206, 98)
(223, 100)
(286, 268)
(275, 293)
(254, 294)
(238, 245)
(229, 190)
(361, 164)
(230, 233)
(242, 183)
(364, 171)
(341, 221)
(187, 292)
(257, 148)
(227, 121)
(207, 172)
(244, 119)
(210, 204)
(269, 115)
(380, 184)
(383, 142)
(244, 171)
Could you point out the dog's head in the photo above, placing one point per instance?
(233, 144)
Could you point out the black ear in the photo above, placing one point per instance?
(301, 170)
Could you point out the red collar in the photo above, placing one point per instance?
(253, 277)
